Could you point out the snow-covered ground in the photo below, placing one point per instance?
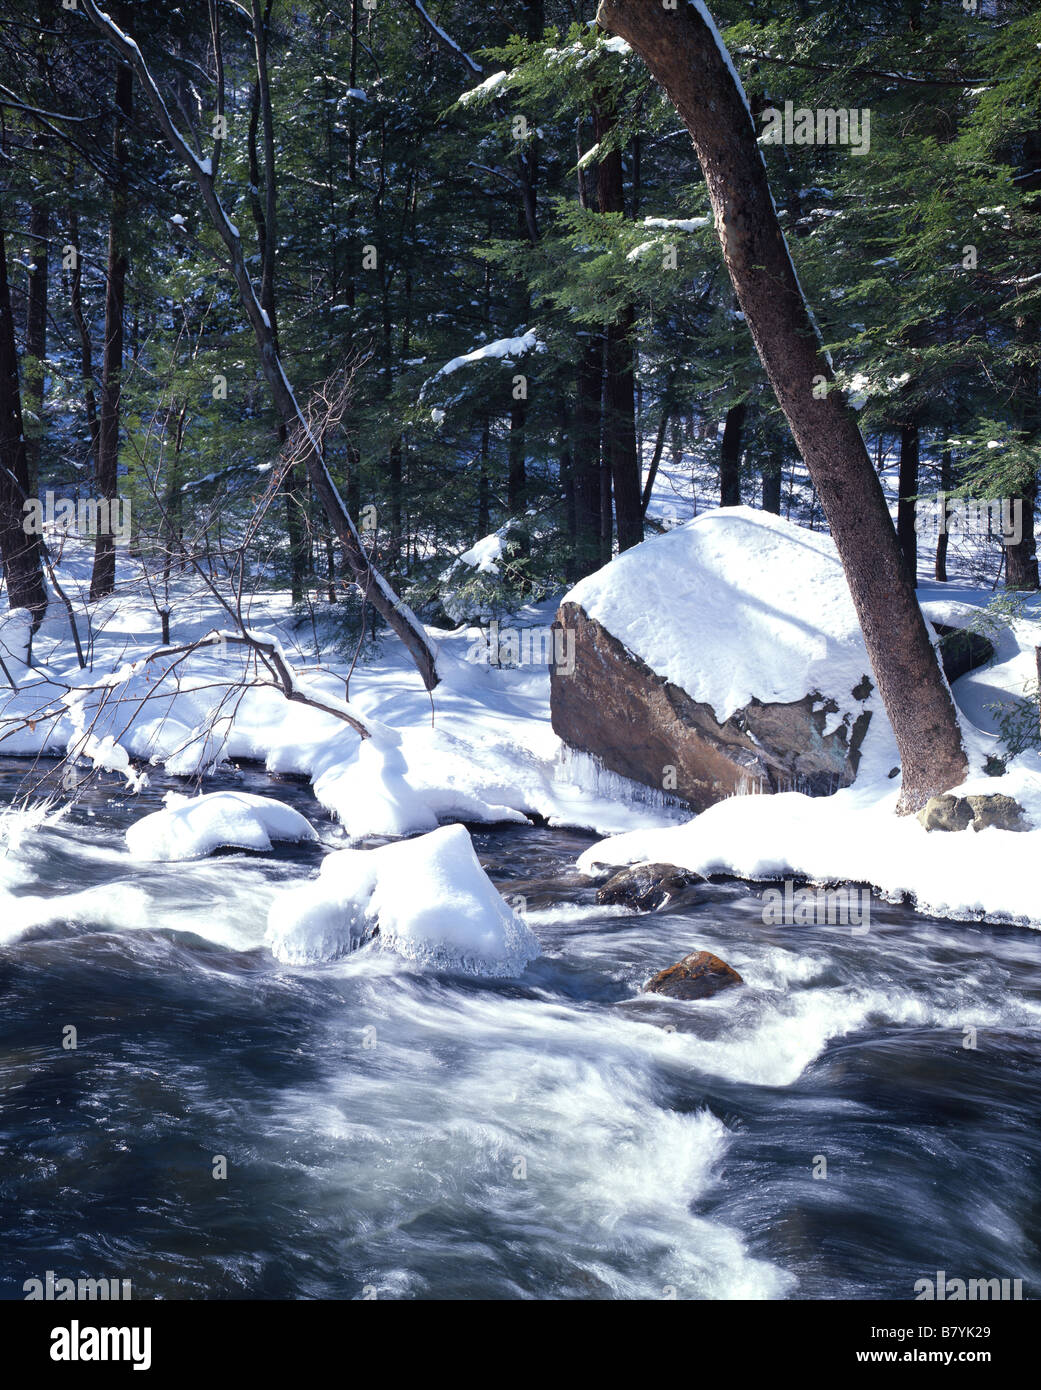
(480, 749)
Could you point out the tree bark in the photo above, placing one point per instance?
(369, 580)
(19, 552)
(685, 54)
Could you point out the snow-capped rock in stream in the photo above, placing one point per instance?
(193, 827)
(428, 898)
(722, 657)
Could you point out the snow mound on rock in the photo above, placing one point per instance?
(734, 605)
(193, 827)
(429, 897)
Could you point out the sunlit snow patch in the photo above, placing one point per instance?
(193, 827)
(429, 898)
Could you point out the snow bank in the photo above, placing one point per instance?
(851, 838)
(733, 605)
(192, 827)
(15, 634)
(429, 898)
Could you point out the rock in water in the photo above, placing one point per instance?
(647, 886)
(697, 976)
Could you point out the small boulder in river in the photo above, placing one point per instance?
(647, 886)
(697, 976)
(981, 812)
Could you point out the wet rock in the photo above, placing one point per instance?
(647, 886)
(994, 809)
(946, 813)
(697, 976)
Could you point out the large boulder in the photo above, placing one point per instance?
(721, 658)
(697, 976)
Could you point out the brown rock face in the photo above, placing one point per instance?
(697, 976)
(614, 707)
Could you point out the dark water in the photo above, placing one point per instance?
(393, 1131)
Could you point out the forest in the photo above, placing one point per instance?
(521, 631)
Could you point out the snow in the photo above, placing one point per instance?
(501, 348)
(679, 224)
(853, 836)
(856, 837)
(193, 827)
(484, 89)
(429, 897)
(776, 591)
(15, 636)
(486, 554)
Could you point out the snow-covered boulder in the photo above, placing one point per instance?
(428, 899)
(193, 827)
(722, 657)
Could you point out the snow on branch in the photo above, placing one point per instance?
(446, 39)
(502, 348)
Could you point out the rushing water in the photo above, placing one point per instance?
(394, 1132)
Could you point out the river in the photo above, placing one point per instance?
(863, 1113)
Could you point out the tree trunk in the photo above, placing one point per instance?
(516, 475)
(730, 456)
(86, 348)
(103, 576)
(684, 52)
(940, 567)
(773, 473)
(585, 457)
(36, 335)
(19, 552)
(622, 457)
(907, 490)
(1021, 557)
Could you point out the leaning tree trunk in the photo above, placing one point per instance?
(685, 53)
(19, 551)
(366, 576)
(103, 576)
